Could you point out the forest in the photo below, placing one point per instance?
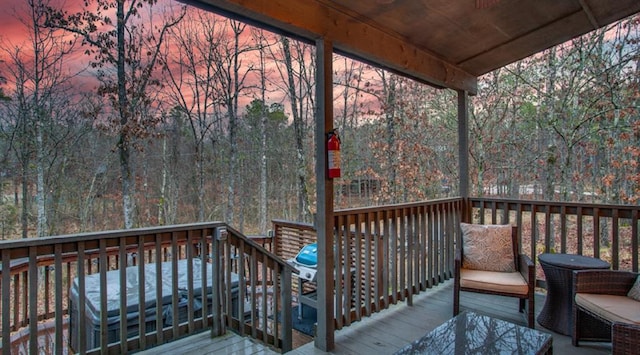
(132, 113)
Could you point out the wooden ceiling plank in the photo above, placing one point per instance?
(552, 34)
(351, 37)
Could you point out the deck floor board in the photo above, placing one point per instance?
(388, 331)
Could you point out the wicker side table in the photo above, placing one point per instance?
(558, 270)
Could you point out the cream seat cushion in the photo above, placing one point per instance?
(503, 282)
(613, 308)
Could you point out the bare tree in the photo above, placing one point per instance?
(263, 44)
(191, 66)
(41, 83)
(231, 78)
(298, 88)
(124, 54)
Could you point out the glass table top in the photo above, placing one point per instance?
(471, 333)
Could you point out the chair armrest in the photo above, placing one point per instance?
(609, 282)
(625, 338)
(457, 264)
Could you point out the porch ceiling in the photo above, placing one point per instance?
(446, 43)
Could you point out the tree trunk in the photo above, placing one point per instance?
(124, 144)
(302, 192)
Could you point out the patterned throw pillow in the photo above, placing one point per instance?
(634, 292)
(487, 247)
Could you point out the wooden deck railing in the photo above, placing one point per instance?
(164, 272)
(387, 254)
(608, 232)
(384, 254)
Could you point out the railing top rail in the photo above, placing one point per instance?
(45, 243)
(583, 204)
(262, 250)
(93, 236)
(288, 223)
(398, 205)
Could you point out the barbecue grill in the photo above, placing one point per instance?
(306, 261)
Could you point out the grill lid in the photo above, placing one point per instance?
(308, 256)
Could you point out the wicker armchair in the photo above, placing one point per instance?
(525, 268)
(626, 338)
(590, 326)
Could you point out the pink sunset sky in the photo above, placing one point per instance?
(14, 34)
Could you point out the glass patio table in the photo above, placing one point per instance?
(471, 333)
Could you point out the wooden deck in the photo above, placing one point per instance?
(388, 331)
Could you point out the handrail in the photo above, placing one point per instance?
(568, 227)
(158, 257)
(405, 248)
(382, 254)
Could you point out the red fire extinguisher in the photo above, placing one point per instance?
(333, 154)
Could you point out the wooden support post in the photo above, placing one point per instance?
(324, 186)
(218, 327)
(463, 151)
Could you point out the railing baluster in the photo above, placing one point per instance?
(253, 274)
(190, 295)
(386, 266)
(265, 284)
(431, 246)
(401, 219)
(548, 221)
(439, 245)
(159, 294)
(378, 260)
(175, 295)
(596, 232)
(24, 319)
(494, 213)
(356, 276)
(104, 267)
(369, 261)
(534, 230)
(6, 299)
(340, 256)
(122, 256)
(422, 249)
(142, 283)
(275, 302)
(82, 299)
(579, 230)
(58, 298)
(216, 271)
(242, 286)
(615, 244)
(205, 252)
(33, 300)
(563, 229)
(287, 323)
(634, 241)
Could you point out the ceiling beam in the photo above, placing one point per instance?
(589, 13)
(312, 20)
